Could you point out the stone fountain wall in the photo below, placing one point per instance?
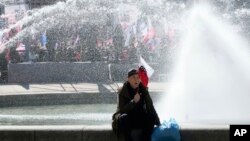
(99, 133)
(53, 72)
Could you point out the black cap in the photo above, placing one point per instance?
(132, 72)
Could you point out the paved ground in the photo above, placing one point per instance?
(66, 88)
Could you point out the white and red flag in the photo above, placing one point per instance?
(145, 72)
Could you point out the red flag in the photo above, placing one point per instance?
(143, 76)
(150, 31)
(150, 35)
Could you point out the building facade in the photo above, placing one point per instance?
(40, 3)
(12, 11)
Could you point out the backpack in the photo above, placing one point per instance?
(115, 124)
(167, 131)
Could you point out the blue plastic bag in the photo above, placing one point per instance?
(167, 131)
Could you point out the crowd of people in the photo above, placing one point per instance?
(73, 49)
(71, 52)
(83, 46)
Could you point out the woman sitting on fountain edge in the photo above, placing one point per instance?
(135, 116)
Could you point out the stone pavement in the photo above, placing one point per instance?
(66, 93)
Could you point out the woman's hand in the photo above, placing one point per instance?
(137, 97)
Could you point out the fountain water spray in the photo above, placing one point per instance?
(210, 82)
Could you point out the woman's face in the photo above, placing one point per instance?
(134, 81)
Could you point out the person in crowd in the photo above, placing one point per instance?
(3, 67)
(133, 52)
(124, 56)
(136, 116)
(33, 57)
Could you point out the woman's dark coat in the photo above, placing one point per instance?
(126, 105)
